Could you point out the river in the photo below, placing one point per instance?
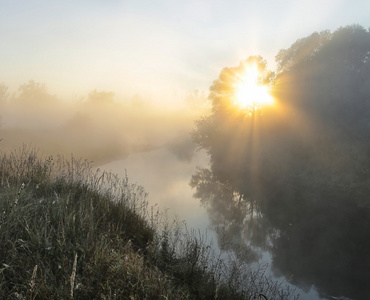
(166, 178)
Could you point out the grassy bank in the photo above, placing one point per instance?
(68, 232)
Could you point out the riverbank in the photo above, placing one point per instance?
(68, 232)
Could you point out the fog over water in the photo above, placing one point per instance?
(166, 180)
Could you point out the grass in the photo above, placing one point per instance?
(69, 232)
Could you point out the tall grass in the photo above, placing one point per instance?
(69, 232)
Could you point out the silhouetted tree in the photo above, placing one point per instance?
(4, 96)
(318, 134)
(227, 133)
(304, 164)
(102, 98)
(35, 93)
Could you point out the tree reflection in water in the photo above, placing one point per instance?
(239, 226)
(327, 246)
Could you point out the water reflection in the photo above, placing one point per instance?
(235, 219)
(326, 246)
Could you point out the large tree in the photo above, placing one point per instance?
(302, 165)
(317, 133)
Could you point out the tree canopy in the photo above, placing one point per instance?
(35, 93)
(100, 98)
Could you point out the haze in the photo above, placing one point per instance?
(97, 128)
(157, 49)
(142, 85)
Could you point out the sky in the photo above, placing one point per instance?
(155, 49)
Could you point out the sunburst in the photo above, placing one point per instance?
(249, 92)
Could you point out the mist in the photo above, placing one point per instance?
(149, 143)
(97, 127)
(290, 180)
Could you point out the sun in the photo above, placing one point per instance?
(249, 92)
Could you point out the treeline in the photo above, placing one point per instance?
(98, 127)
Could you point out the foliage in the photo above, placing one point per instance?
(3, 93)
(35, 93)
(100, 98)
(222, 91)
(303, 164)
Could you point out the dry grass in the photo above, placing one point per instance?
(68, 232)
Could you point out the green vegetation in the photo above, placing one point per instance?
(69, 232)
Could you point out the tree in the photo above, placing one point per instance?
(228, 132)
(320, 131)
(327, 75)
(304, 165)
(4, 96)
(329, 89)
(35, 93)
(223, 90)
(100, 98)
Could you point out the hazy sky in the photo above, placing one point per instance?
(153, 48)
